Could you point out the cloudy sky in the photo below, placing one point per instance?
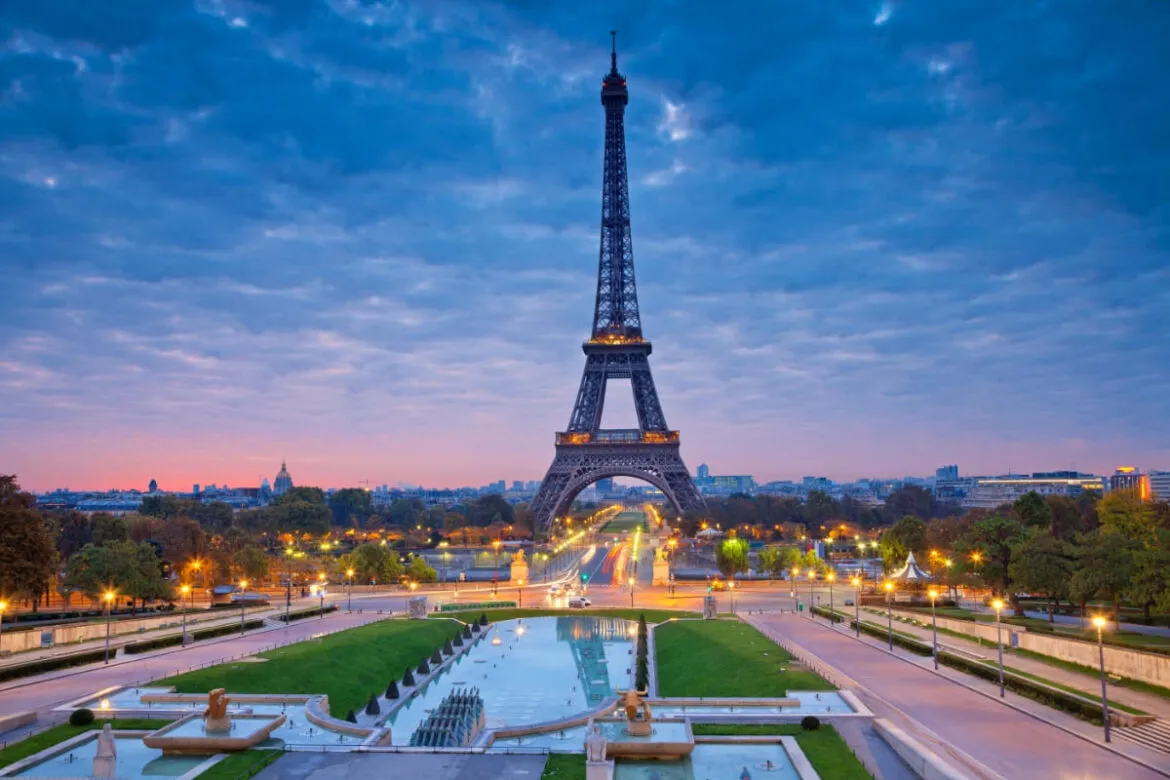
(871, 238)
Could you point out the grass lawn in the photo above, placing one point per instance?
(497, 615)
(564, 766)
(725, 658)
(237, 766)
(626, 521)
(348, 666)
(1059, 686)
(49, 737)
(824, 748)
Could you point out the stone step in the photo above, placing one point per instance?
(1154, 735)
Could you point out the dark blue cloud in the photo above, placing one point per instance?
(870, 236)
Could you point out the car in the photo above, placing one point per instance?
(849, 602)
(580, 602)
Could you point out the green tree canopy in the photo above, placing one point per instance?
(127, 568)
(421, 571)
(251, 562)
(1033, 511)
(310, 495)
(1041, 564)
(906, 536)
(372, 562)
(1104, 567)
(993, 539)
(778, 560)
(28, 551)
(350, 506)
(731, 556)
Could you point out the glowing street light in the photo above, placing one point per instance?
(933, 593)
(856, 582)
(888, 587)
(1099, 623)
(349, 591)
(185, 590)
(108, 597)
(795, 574)
(243, 602)
(812, 577)
(830, 576)
(3, 606)
(997, 605)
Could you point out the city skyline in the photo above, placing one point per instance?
(364, 239)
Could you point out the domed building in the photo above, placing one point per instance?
(283, 482)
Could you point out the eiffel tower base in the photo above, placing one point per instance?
(577, 466)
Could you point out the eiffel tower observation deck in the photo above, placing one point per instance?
(616, 349)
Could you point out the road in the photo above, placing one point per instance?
(1007, 741)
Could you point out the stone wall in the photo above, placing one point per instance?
(1149, 667)
(15, 641)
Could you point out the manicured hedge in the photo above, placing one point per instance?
(306, 613)
(1081, 707)
(50, 664)
(177, 639)
(477, 605)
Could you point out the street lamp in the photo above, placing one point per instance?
(830, 576)
(1099, 623)
(997, 605)
(857, 605)
(888, 587)
(243, 602)
(108, 597)
(520, 592)
(795, 603)
(631, 583)
(184, 590)
(496, 570)
(349, 591)
(812, 577)
(731, 591)
(933, 593)
(288, 556)
(3, 606)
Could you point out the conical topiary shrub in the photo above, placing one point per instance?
(436, 658)
(447, 649)
(423, 668)
(408, 679)
(483, 618)
(372, 707)
(475, 628)
(458, 640)
(466, 632)
(351, 717)
(392, 690)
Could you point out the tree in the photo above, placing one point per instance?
(127, 568)
(777, 560)
(910, 500)
(1104, 567)
(906, 536)
(489, 510)
(311, 495)
(1033, 511)
(1041, 564)
(109, 528)
(731, 556)
(1123, 512)
(28, 551)
(993, 539)
(819, 509)
(350, 506)
(74, 531)
(1150, 585)
(421, 571)
(301, 516)
(372, 562)
(405, 512)
(252, 563)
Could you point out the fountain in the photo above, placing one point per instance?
(218, 732)
(215, 718)
(637, 713)
(638, 735)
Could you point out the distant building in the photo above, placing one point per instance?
(283, 482)
(605, 486)
(153, 487)
(1130, 478)
(946, 473)
(265, 488)
(704, 471)
(990, 492)
(1159, 484)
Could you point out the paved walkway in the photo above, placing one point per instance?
(1011, 743)
(432, 766)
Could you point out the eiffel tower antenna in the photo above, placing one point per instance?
(585, 452)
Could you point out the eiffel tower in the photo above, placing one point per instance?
(585, 452)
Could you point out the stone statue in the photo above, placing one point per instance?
(518, 557)
(106, 759)
(637, 713)
(215, 717)
(661, 555)
(594, 743)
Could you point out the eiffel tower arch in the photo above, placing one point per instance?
(586, 452)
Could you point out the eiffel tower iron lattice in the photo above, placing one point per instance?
(585, 452)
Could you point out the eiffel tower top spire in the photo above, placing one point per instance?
(615, 317)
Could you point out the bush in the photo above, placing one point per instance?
(477, 605)
(483, 621)
(810, 723)
(392, 690)
(408, 679)
(436, 659)
(205, 633)
(50, 664)
(423, 668)
(372, 707)
(81, 717)
(306, 613)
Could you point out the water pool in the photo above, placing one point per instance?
(134, 760)
(811, 703)
(543, 669)
(715, 762)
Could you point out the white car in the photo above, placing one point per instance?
(580, 602)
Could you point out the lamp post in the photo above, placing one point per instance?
(731, 592)
(349, 591)
(812, 577)
(496, 570)
(3, 606)
(243, 602)
(830, 576)
(321, 595)
(288, 556)
(631, 583)
(520, 592)
(108, 597)
(795, 603)
(857, 606)
(997, 605)
(933, 593)
(1099, 622)
(184, 590)
(889, 589)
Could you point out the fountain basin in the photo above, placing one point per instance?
(189, 736)
(667, 740)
